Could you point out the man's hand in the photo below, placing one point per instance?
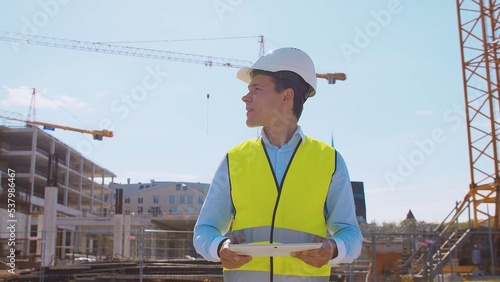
(228, 258)
(321, 256)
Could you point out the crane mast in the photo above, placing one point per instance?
(479, 40)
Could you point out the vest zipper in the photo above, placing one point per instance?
(279, 187)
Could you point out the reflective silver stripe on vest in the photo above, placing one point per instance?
(261, 276)
(280, 235)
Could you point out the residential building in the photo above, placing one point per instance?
(168, 205)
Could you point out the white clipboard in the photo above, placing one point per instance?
(271, 250)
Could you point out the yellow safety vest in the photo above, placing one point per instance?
(266, 213)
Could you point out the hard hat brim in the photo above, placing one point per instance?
(244, 74)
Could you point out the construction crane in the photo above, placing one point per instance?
(479, 40)
(31, 120)
(142, 52)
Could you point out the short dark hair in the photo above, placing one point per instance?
(287, 79)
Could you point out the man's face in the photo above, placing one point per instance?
(263, 103)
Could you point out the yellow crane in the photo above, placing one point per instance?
(116, 49)
(97, 134)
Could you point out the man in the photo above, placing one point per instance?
(283, 187)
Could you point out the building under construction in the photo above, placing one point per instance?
(32, 160)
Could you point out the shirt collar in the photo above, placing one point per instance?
(297, 136)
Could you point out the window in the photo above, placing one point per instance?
(200, 199)
(139, 210)
(171, 199)
(177, 187)
(174, 209)
(140, 200)
(190, 199)
(156, 199)
(181, 199)
(157, 211)
(127, 200)
(184, 187)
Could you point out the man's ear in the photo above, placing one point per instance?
(288, 96)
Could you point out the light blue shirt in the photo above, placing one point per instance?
(217, 212)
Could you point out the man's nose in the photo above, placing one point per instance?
(245, 98)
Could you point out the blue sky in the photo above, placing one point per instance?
(398, 119)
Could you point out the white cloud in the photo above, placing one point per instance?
(16, 96)
(22, 97)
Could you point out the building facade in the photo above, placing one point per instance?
(169, 205)
(358, 191)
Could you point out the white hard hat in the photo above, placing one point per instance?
(285, 59)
